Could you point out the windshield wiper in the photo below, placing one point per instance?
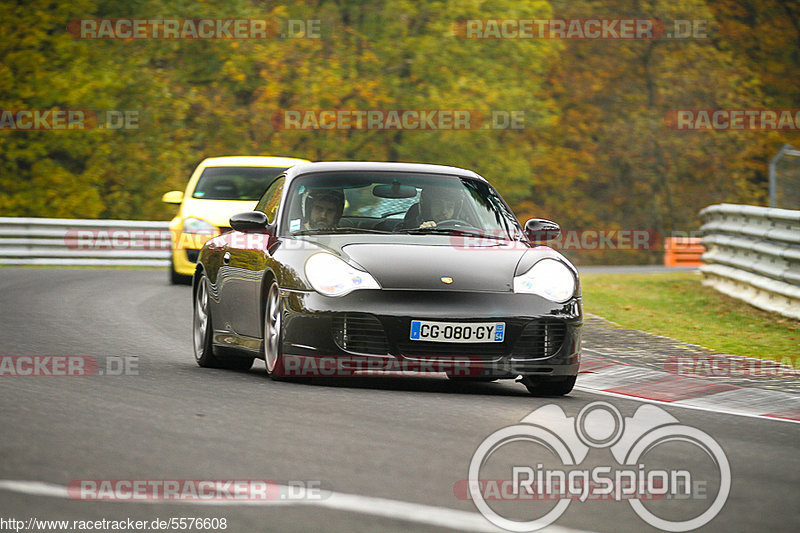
(360, 230)
(432, 229)
(450, 231)
(336, 231)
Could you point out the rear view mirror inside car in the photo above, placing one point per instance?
(395, 190)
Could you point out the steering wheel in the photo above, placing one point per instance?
(455, 222)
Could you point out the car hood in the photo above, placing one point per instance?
(218, 212)
(429, 266)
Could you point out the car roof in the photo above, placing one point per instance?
(251, 161)
(378, 166)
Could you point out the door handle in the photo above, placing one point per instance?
(226, 258)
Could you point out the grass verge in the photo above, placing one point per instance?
(677, 305)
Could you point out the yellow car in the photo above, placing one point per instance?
(219, 188)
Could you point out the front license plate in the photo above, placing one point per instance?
(422, 330)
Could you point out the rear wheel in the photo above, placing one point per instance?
(203, 332)
(273, 328)
(550, 387)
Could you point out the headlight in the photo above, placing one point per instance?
(549, 278)
(198, 226)
(331, 276)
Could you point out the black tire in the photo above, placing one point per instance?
(273, 334)
(202, 331)
(201, 327)
(551, 387)
(175, 278)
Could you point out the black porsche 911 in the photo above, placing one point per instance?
(366, 268)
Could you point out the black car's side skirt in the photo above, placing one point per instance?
(240, 342)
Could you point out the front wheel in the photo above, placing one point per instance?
(273, 329)
(552, 387)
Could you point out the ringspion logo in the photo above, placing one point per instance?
(632, 442)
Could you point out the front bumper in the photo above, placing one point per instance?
(369, 330)
(186, 249)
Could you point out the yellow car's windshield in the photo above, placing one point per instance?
(234, 182)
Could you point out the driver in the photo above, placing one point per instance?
(323, 209)
(437, 204)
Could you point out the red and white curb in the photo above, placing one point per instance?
(603, 376)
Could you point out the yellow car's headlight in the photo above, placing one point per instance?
(198, 226)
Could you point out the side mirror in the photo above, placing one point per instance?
(541, 230)
(172, 197)
(249, 221)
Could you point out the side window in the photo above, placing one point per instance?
(271, 200)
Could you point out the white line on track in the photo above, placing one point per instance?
(706, 408)
(339, 501)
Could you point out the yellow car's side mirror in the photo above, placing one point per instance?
(172, 197)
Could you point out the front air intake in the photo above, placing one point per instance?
(360, 333)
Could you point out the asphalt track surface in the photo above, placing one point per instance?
(391, 450)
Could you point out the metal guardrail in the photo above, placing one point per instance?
(753, 253)
(63, 241)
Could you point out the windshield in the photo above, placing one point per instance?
(235, 183)
(396, 202)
